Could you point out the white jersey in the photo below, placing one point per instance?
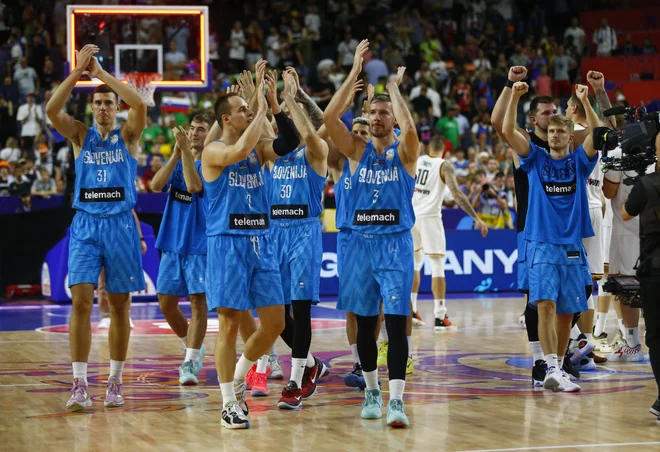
(429, 187)
(595, 185)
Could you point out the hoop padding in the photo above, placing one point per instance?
(142, 83)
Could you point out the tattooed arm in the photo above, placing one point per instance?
(448, 174)
(597, 82)
(315, 113)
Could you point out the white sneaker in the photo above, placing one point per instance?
(276, 367)
(625, 353)
(521, 321)
(130, 321)
(553, 379)
(567, 385)
(104, 324)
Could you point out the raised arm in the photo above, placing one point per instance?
(190, 174)
(510, 131)
(315, 113)
(162, 176)
(448, 174)
(410, 151)
(582, 92)
(345, 141)
(516, 74)
(63, 122)
(597, 82)
(137, 113)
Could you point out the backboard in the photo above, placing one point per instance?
(170, 40)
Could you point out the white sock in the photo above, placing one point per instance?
(396, 389)
(80, 371)
(413, 298)
(439, 308)
(537, 350)
(297, 370)
(310, 361)
(383, 333)
(371, 378)
(356, 355)
(184, 341)
(632, 337)
(622, 327)
(273, 351)
(590, 337)
(228, 394)
(262, 365)
(116, 369)
(575, 332)
(242, 367)
(409, 346)
(601, 321)
(192, 354)
(551, 359)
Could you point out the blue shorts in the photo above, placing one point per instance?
(374, 267)
(181, 274)
(242, 273)
(299, 251)
(557, 273)
(109, 241)
(523, 277)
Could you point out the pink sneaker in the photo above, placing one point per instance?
(79, 399)
(260, 385)
(113, 396)
(249, 378)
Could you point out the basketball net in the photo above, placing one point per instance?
(142, 83)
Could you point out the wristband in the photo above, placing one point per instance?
(509, 83)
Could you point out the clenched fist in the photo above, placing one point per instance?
(596, 79)
(582, 91)
(520, 88)
(517, 73)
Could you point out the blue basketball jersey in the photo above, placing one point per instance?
(295, 189)
(558, 208)
(342, 197)
(237, 200)
(105, 175)
(183, 227)
(381, 201)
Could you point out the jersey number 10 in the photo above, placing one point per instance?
(422, 176)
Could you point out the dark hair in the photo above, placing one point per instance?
(499, 174)
(360, 120)
(203, 117)
(158, 154)
(222, 106)
(437, 143)
(105, 89)
(534, 105)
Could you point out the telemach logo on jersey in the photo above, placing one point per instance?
(289, 211)
(559, 188)
(181, 196)
(379, 217)
(248, 221)
(108, 194)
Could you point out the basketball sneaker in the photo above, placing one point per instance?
(553, 379)
(104, 323)
(580, 348)
(417, 319)
(79, 399)
(239, 392)
(355, 378)
(444, 324)
(601, 344)
(310, 378)
(597, 358)
(291, 397)
(410, 367)
(586, 364)
(570, 368)
(372, 405)
(276, 367)
(188, 373)
(260, 385)
(567, 385)
(539, 372)
(655, 409)
(627, 353)
(198, 363)
(617, 343)
(249, 378)
(113, 398)
(396, 416)
(234, 417)
(382, 354)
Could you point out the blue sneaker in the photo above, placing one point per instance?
(396, 417)
(188, 374)
(373, 404)
(198, 363)
(355, 378)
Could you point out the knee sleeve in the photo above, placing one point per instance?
(289, 327)
(366, 342)
(419, 260)
(302, 335)
(532, 323)
(397, 352)
(437, 266)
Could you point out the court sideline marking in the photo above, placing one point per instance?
(566, 446)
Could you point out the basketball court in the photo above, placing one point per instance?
(471, 390)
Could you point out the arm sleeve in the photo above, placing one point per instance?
(527, 163)
(288, 139)
(636, 201)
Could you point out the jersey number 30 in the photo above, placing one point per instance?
(285, 191)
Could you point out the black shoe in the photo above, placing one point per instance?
(539, 371)
(655, 409)
(569, 368)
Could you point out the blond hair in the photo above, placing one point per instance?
(562, 121)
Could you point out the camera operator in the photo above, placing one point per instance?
(644, 200)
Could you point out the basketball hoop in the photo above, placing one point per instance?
(142, 83)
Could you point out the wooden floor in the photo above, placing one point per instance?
(470, 391)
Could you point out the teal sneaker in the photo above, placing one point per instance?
(396, 417)
(198, 363)
(188, 374)
(373, 404)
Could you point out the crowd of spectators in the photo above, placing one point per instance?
(457, 54)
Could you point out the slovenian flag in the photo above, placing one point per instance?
(176, 104)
